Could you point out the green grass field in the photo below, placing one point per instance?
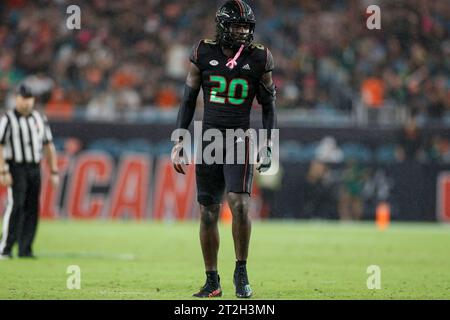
(290, 260)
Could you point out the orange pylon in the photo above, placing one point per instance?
(383, 215)
(225, 214)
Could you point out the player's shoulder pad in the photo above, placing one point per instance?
(201, 48)
(263, 55)
(211, 42)
(257, 46)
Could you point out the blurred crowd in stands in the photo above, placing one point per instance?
(131, 54)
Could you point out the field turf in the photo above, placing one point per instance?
(288, 260)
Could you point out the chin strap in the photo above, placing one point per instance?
(232, 62)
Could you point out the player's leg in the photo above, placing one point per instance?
(13, 216)
(238, 180)
(210, 189)
(209, 235)
(30, 214)
(241, 225)
(239, 203)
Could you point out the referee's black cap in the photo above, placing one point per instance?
(24, 90)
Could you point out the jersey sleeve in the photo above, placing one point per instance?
(270, 65)
(48, 137)
(4, 123)
(194, 57)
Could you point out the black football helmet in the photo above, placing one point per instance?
(234, 11)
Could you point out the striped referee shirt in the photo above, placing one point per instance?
(23, 137)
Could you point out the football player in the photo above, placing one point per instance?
(231, 70)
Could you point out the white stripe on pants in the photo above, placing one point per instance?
(6, 219)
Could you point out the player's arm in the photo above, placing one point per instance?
(191, 90)
(266, 95)
(50, 153)
(5, 175)
(186, 112)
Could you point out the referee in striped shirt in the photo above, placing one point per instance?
(24, 136)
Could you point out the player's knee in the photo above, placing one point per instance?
(209, 215)
(239, 205)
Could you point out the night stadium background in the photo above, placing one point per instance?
(364, 118)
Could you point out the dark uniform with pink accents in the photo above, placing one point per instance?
(228, 98)
(232, 71)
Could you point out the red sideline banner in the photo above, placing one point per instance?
(134, 187)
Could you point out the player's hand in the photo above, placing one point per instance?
(264, 159)
(6, 179)
(178, 158)
(54, 180)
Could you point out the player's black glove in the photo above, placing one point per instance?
(264, 159)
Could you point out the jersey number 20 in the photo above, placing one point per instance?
(231, 94)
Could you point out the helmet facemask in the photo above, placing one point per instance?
(230, 35)
(231, 14)
(240, 33)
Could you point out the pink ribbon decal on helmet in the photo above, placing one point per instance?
(232, 62)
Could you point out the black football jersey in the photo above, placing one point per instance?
(229, 93)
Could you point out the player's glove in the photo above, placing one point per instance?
(264, 159)
(178, 158)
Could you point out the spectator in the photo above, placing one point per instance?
(167, 97)
(372, 92)
(59, 106)
(439, 149)
(102, 108)
(328, 151)
(411, 143)
(269, 186)
(136, 44)
(351, 203)
(318, 191)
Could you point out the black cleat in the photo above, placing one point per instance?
(240, 281)
(211, 289)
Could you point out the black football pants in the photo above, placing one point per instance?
(21, 215)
